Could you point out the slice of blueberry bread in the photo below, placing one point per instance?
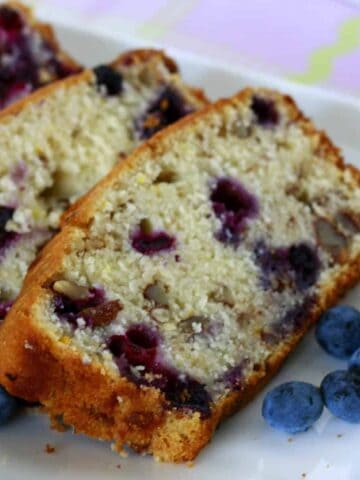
(180, 283)
(30, 56)
(59, 141)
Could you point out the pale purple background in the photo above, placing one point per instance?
(280, 36)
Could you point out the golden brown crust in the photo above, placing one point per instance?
(144, 55)
(35, 367)
(140, 56)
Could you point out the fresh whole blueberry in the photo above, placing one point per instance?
(354, 362)
(110, 78)
(338, 331)
(8, 406)
(341, 394)
(292, 407)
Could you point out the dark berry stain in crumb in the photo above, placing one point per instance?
(6, 214)
(11, 376)
(6, 238)
(306, 265)
(10, 21)
(24, 54)
(139, 346)
(95, 310)
(167, 108)
(109, 78)
(234, 378)
(234, 206)
(289, 322)
(265, 111)
(287, 267)
(4, 308)
(151, 243)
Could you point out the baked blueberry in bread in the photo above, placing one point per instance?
(178, 285)
(56, 143)
(30, 56)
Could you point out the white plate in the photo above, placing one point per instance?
(244, 448)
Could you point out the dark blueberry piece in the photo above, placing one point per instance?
(341, 394)
(6, 214)
(110, 78)
(305, 263)
(166, 109)
(19, 75)
(274, 263)
(188, 394)
(295, 317)
(152, 242)
(292, 407)
(138, 346)
(4, 308)
(10, 20)
(282, 266)
(6, 238)
(8, 406)
(338, 331)
(234, 377)
(265, 111)
(15, 92)
(71, 310)
(291, 321)
(354, 362)
(234, 206)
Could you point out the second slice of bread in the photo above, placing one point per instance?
(58, 142)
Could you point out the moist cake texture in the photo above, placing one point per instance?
(59, 141)
(179, 284)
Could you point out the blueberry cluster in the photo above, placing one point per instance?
(233, 205)
(140, 345)
(24, 57)
(294, 406)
